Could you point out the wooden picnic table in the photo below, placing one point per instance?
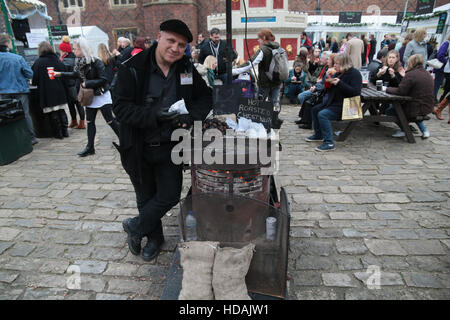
(371, 99)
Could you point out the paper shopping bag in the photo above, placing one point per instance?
(351, 109)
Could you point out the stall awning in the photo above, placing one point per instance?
(22, 9)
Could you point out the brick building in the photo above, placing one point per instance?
(142, 17)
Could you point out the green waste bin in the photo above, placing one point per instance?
(15, 141)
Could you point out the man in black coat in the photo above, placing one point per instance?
(373, 47)
(217, 48)
(125, 49)
(147, 85)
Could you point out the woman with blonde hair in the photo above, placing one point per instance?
(91, 72)
(417, 84)
(108, 60)
(417, 45)
(210, 64)
(346, 83)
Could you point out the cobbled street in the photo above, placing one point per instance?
(375, 206)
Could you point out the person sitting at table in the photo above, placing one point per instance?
(376, 65)
(295, 83)
(392, 72)
(346, 83)
(307, 99)
(314, 65)
(419, 85)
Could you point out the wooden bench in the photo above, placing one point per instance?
(371, 99)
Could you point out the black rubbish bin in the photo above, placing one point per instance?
(41, 121)
(15, 139)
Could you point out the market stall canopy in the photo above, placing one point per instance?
(22, 9)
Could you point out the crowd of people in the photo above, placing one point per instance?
(134, 87)
(400, 65)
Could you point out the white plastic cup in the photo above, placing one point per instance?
(271, 228)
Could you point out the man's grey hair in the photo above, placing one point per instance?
(4, 39)
(83, 44)
(123, 39)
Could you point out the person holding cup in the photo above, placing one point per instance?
(392, 72)
(52, 94)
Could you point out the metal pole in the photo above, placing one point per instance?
(8, 24)
(229, 50)
(406, 7)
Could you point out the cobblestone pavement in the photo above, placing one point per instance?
(376, 205)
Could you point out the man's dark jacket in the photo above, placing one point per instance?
(205, 51)
(137, 119)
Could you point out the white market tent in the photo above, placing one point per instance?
(93, 34)
(33, 10)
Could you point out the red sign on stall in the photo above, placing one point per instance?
(257, 3)
(278, 4)
(253, 47)
(290, 45)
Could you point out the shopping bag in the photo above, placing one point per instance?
(351, 109)
(435, 63)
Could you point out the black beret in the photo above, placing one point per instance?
(177, 26)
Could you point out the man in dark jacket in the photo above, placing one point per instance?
(373, 47)
(147, 85)
(217, 48)
(14, 72)
(125, 50)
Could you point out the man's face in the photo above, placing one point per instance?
(171, 46)
(215, 37)
(324, 59)
(123, 44)
(200, 38)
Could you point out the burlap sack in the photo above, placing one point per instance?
(230, 268)
(197, 260)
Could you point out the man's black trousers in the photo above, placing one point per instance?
(159, 191)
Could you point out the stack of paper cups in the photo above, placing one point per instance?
(271, 228)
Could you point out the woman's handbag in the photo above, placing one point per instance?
(85, 96)
(351, 109)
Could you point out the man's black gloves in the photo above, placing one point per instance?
(184, 121)
(163, 115)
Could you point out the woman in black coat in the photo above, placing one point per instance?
(52, 93)
(92, 74)
(347, 83)
(72, 86)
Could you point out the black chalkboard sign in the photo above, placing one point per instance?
(59, 30)
(441, 23)
(226, 98)
(424, 6)
(350, 17)
(256, 110)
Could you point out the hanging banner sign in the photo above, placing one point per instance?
(424, 6)
(350, 17)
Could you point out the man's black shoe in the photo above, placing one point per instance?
(86, 152)
(298, 121)
(152, 248)
(304, 126)
(133, 239)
